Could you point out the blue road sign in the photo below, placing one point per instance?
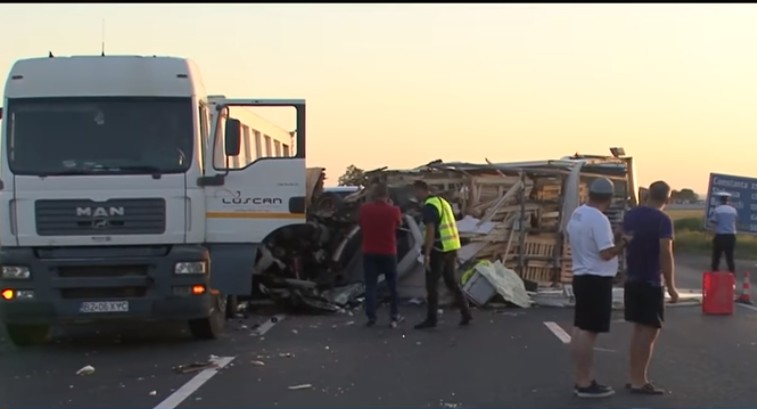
(743, 192)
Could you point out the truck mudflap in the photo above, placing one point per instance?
(88, 284)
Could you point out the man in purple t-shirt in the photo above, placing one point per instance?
(649, 259)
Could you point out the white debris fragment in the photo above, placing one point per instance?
(257, 363)
(87, 370)
(300, 387)
(153, 393)
(349, 323)
(295, 332)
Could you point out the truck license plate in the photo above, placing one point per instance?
(94, 307)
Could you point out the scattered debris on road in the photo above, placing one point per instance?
(194, 367)
(85, 371)
(301, 387)
(257, 363)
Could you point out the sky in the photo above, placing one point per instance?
(402, 85)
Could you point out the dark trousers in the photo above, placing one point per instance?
(443, 265)
(373, 266)
(723, 243)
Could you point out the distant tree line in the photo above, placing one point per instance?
(684, 195)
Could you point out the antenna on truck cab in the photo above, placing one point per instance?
(102, 39)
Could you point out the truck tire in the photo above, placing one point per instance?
(28, 335)
(212, 326)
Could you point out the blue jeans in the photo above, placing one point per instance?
(373, 266)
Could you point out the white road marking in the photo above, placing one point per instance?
(560, 333)
(176, 398)
(747, 306)
(266, 326)
(565, 338)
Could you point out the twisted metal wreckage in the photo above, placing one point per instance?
(513, 213)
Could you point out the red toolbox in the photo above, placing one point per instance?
(717, 293)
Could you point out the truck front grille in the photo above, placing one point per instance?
(102, 293)
(102, 271)
(82, 217)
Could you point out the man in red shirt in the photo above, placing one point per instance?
(379, 221)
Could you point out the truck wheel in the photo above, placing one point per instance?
(232, 305)
(212, 326)
(28, 335)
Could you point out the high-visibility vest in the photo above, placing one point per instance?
(448, 235)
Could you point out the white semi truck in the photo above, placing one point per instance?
(123, 195)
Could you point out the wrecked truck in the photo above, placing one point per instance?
(508, 212)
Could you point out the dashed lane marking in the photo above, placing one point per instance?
(747, 306)
(560, 333)
(266, 326)
(176, 398)
(565, 338)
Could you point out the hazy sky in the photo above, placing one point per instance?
(401, 85)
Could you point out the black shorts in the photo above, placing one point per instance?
(593, 310)
(644, 304)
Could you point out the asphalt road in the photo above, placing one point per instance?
(506, 359)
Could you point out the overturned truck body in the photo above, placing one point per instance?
(512, 212)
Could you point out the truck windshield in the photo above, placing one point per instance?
(58, 136)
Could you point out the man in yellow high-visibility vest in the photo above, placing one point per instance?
(440, 254)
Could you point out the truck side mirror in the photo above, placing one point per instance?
(233, 137)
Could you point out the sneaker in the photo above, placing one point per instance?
(396, 321)
(647, 389)
(426, 325)
(594, 390)
(370, 323)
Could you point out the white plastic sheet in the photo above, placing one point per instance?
(507, 283)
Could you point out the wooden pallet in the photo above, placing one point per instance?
(542, 245)
(540, 272)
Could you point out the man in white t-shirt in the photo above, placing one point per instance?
(595, 264)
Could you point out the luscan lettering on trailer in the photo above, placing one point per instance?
(253, 200)
(100, 211)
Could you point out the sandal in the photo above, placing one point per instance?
(646, 389)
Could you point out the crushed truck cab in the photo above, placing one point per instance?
(117, 199)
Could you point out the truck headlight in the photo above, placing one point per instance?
(15, 273)
(191, 267)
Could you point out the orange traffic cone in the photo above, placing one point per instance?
(746, 291)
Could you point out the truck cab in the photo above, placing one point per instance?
(114, 204)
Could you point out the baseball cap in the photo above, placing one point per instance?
(602, 186)
(722, 194)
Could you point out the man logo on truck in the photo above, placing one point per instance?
(100, 211)
(100, 224)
